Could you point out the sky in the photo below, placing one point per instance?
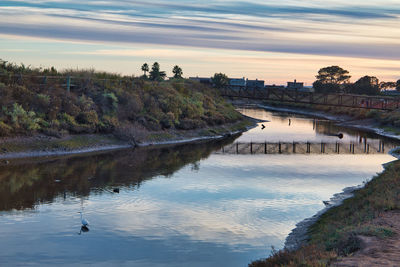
(276, 41)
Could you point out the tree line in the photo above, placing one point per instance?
(155, 74)
(334, 79)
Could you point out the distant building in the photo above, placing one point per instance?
(295, 85)
(237, 84)
(201, 80)
(254, 84)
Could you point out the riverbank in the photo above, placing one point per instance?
(45, 146)
(357, 226)
(357, 232)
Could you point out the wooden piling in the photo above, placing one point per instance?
(68, 84)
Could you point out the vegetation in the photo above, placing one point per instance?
(335, 233)
(177, 71)
(330, 79)
(156, 74)
(334, 79)
(368, 85)
(220, 80)
(35, 100)
(145, 69)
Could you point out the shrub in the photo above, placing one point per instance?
(24, 120)
(109, 103)
(134, 133)
(88, 117)
(5, 130)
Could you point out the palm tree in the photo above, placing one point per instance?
(156, 74)
(177, 71)
(145, 69)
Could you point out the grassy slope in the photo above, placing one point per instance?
(132, 109)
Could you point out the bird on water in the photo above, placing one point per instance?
(85, 223)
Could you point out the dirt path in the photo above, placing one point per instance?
(375, 251)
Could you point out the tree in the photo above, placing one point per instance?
(177, 71)
(398, 85)
(387, 85)
(145, 69)
(330, 79)
(220, 80)
(368, 85)
(156, 74)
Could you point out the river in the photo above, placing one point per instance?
(189, 205)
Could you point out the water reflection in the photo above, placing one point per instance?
(23, 186)
(174, 206)
(287, 127)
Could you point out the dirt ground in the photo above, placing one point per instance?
(375, 251)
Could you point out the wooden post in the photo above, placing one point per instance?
(265, 147)
(308, 147)
(294, 147)
(280, 147)
(383, 146)
(338, 148)
(68, 84)
(237, 148)
(353, 148)
(367, 148)
(251, 147)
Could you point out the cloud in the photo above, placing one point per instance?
(291, 26)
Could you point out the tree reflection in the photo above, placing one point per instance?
(24, 185)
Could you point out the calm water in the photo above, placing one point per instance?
(182, 206)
